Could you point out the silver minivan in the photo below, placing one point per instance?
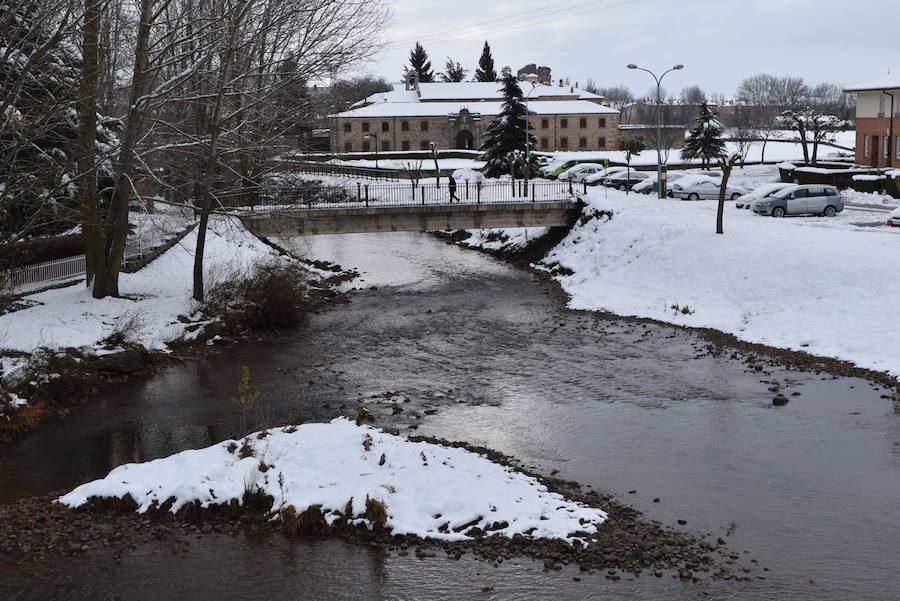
(815, 199)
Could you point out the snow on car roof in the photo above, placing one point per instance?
(693, 180)
(766, 189)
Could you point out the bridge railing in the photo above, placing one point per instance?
(358, 194)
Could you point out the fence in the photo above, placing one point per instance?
(30, 277)
(357, 194)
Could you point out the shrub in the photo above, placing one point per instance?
(269, 297)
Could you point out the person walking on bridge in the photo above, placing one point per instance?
(451, 185)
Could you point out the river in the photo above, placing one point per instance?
(452, 343)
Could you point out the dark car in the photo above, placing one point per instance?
(624, 180)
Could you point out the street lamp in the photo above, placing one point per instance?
(660, 183)
(374, 135)
(534, 86)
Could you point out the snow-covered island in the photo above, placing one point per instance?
(357, 475)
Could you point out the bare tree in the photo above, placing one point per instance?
(616, 96)
(726, 164)
(693, 95)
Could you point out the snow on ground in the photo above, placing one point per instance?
(423, 164)
(422, 485)
(811, 283)
(153, 297)
(775, 151)
(513, 238)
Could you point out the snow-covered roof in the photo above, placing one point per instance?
(474, 91)
(885, 82)
(437, 109)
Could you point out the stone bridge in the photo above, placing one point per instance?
(379, 209)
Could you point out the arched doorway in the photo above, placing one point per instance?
(465, 139)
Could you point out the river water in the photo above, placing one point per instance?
(456, 344)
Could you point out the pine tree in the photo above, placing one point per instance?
(704, 141)
(506, 133)
(418, 61)
(485, 70)
(453, 71)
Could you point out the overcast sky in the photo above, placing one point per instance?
(719, 41)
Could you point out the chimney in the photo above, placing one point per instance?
(346, 106)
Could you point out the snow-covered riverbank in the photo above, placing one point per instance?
(813, 284)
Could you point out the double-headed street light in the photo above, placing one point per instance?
(660, 182)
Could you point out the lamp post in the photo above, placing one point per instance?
(374, 135)
(660, 183)
(534, 86)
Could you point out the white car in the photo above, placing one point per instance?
(580, 171)
(761, 192)
(695, 187)
(646, 186)
(596, 179)
(894, 218)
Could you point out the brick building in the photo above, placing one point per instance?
(877, 107)
(455, 115)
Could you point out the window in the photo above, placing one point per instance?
(404, 125)
(601, 122)
(898, 147)
(582, 122)
(385, 126)
(423, 145)
(545, 143)
(365, 146)
(881, 105)
(348, 146)
(602, 143)
(385, 145)
(545, 123)
(564, 123)
(582, 142)
(423, 126)
(831, 192)
(813, 192)
(866, 146)
(347, 128)
(404, 145)
(365, 126)
(887, 142)
(564, 142)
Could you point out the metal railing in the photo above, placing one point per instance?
(357, 194)
(31, 277)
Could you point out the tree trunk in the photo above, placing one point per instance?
(762, 156)
(91, 221)
(117, 221)
(726, 165)
(212, 152)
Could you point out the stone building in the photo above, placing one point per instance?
(455, 115)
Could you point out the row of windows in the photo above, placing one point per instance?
(867, 146)
(564, 142)
(423, 125)
(423, 145)
(386, 146)
(386, 126)
(564, 123)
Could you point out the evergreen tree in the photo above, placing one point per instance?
(39, 124)
(704, 141)
(453, 71)
(485, 70)
(506, 133)
(418, 61)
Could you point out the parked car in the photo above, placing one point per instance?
(646, 186)
(801, 200)
(761, 192)
(894, 218)
(695, 187)
(555, 168)
(624, 180)
(598, 178)
(580, 171)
